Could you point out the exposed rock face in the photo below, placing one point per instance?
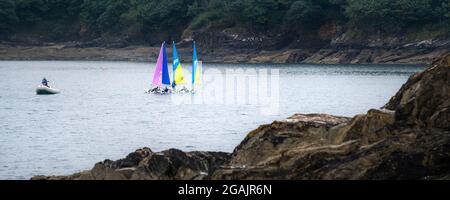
(424, 100)
(407, 139)
(223, 47)
(410, 142)
(374, 55)
(268, 143)
(333, 45)
(143, 164)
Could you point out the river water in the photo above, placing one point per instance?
(103, 112)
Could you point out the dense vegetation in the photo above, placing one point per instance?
(144, 19)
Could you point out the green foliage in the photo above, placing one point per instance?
(31, 11)
(204, 18)
(8, 15)
(394, 15)
(256, 14)
(305, 13)
(140, 19)
(112, 14)
(168, 14)
(62, 9)
(194, 9)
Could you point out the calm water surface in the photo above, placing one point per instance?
(103, 112)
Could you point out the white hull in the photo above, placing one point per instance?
(46, 90)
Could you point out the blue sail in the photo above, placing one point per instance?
(165, 69)
(195, 69)
(175, 60)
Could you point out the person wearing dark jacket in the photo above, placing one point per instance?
(45, 82)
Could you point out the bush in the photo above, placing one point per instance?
(204, 19)
(394, 15)
(8, 16)
(141, 18)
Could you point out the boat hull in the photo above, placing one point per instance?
(158, 90)
(184, 90)
(43, 90)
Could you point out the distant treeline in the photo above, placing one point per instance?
(138, 19)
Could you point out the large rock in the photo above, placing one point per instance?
(143, 164)
(407, 139)
(424, 99)
(412, 142)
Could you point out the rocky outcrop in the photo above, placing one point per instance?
(143, 164)
(375, 55)
(409, 138)
(333, 45)
(424, 100)
(223, 55)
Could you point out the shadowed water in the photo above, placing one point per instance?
(102, 110)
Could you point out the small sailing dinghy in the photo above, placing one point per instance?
(46, 90)
(178, 75)
(161, 79)
(195, 69)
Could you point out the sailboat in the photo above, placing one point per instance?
(195, 69)
(161, 78)
(178, 75)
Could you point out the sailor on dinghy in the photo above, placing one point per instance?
(44, 88)
(45, 82)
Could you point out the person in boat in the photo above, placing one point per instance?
(45, 82)
(185, 89)
(166, 90)
(155, 90)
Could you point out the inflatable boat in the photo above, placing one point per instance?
(46, 90)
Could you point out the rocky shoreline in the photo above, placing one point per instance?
(333, 44)
(226, 55)
(409, 138)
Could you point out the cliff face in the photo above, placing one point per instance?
(332, 44)
(407, 139)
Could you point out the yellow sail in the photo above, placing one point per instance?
(179, 75)
(197, 76)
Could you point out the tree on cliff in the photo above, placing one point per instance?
(256, 14)
(305, 13)
(144, 19)
(31, 11)
(394, 15)
(8, 16)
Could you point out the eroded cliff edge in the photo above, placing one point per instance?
(409, 138)
(413, 53)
